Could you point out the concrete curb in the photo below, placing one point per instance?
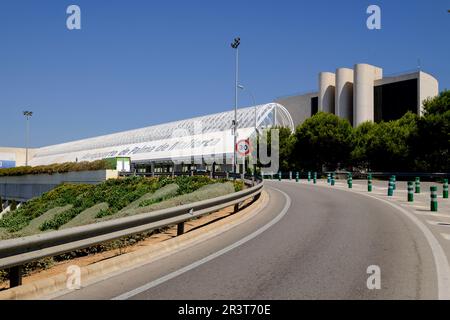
(56, 285)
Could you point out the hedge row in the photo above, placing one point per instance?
(117, 193)
(58, 168)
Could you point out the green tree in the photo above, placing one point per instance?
(437, 105)
(287, 140)
(323, 139)
(384, 146)
(431, 141)
(286, 144)
(362, 137)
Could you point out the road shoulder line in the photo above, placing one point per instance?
(440, 258)
(217, 254)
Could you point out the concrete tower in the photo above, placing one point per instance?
(344, 94)
(363, 95)
(327, 85)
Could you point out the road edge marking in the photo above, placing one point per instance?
(440, 258)
(206, 259)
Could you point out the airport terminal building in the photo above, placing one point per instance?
(358, 95)
(363, 94)
(192, 144)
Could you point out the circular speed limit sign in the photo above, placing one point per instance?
(243, 147)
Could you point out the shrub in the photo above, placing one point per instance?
(206, 192)
(119, 193)
(116, 193)
(162, 194)
(58, 197)
(13, 205)
(58, 168)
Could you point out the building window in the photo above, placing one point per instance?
(314, 105)
(393, 100)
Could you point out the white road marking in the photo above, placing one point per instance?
(433, 214)
(438, 223)
(414, 207)
(440, 259)
(198, 263)
(446, 236)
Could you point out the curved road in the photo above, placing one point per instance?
(315, 243)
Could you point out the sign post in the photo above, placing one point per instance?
(243, 149)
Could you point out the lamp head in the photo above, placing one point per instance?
(236, 43)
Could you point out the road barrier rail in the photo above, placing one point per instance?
(14, 253)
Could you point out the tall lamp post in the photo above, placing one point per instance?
(254, 103)
(235, 45)
(256, 119)
(28, 115)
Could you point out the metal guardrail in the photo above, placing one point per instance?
(14, 253)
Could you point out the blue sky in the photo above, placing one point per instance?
(136, 63)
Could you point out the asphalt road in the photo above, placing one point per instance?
(315, 243)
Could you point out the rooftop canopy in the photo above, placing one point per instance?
(214, 125)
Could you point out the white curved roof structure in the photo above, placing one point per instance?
(147, 143)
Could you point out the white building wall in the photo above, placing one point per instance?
(363, 97)
(428, 88)
(19, 154)
(344, 94)
(327, 86)
(298, 106)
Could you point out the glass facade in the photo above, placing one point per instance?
(393, 100)
(314, 105)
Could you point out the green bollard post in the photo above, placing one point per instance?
(279, 176)
(315, 177)
(394, 180)
(369, 185)
(410, 191)
(328, 178)
(433, 196)
(309, 176)
(332, 181)
(445, 189)
(417, 185)
(350, 182)
(296, 177)
(391, 188)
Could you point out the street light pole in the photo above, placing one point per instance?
(253, 101)
(255, 109)
(28, 115)
(235, 45)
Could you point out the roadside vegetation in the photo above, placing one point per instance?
(410, 144)
(78, 204)
(72, 205)
(58, 168)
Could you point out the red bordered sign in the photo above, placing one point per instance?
(243, 147)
